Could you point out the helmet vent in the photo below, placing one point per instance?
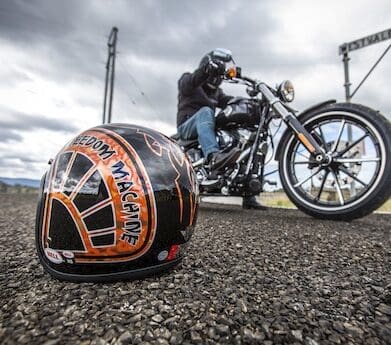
(91, 193)
(63, 232)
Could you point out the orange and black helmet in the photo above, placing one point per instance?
(119, 201)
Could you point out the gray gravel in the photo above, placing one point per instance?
(249, 277)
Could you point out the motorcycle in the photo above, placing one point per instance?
(334, 159)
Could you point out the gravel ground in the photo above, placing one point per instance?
(272, 277)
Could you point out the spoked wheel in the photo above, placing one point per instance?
(357, 176)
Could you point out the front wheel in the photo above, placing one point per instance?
(357, 178)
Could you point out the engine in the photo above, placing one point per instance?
(227, 139)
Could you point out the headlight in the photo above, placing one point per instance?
(286, 91)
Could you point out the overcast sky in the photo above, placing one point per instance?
(53, 55)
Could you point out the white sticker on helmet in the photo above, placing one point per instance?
(53, 256)
(68, 254)
(162, 255)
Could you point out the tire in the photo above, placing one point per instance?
(358, 178)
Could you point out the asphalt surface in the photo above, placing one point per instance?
(260, 277)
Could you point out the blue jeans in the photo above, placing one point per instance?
(201, 126)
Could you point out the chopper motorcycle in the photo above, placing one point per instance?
(334, 159)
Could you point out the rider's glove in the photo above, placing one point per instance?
(215, 68)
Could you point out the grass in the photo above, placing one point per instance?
(386, 207)
(279, 199)
(276, 199)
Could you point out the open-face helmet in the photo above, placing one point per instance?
(119, 201)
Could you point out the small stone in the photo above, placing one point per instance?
(125, 338)
(222, 319)
(324, 324)
(149, 336)
(386, 296)
(242, 306)
(157, 318)
(176, 338)
(162, 333)
(51, 342)
(310, 341)
(135, 318)
(384, 309)
(247, 335)
(14, 284)
(298, 334)
(338, 327)
(195, 337)
(54, 332)
(212, 333)
(199, 326)
(110, 334)
(334, 338)
(358, 332)
(223, 330)
(378, 289)
(171, 321)
(266, 328)
(165, 309)
(99, 341)
(258, 337)
(149, 312)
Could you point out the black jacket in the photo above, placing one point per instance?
(193, 94)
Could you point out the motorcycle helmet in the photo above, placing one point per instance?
(118, 202)
(220, 55)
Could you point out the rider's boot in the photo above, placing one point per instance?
(250, 202)
(219, 160)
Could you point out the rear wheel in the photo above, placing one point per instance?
(357, 178)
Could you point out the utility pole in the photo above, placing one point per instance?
(110, 74)
(344, 50)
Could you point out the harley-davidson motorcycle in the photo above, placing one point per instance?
(334, 159)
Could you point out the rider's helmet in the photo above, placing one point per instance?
(219, 55)
(119, 201)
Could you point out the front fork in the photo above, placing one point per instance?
(290, 119)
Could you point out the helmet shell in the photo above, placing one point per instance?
(119, 201)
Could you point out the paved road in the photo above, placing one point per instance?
(270, 277)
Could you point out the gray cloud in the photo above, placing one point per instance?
(20, 166)
(23, 157)
(12, 120)
(71, 38)
(6, 135)
(11, 78)
(72, 34)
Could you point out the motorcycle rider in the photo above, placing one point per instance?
(198, 96)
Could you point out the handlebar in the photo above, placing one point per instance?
(254, 86)
(252, 89)
(236, 76)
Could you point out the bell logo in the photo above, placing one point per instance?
(53, 256)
